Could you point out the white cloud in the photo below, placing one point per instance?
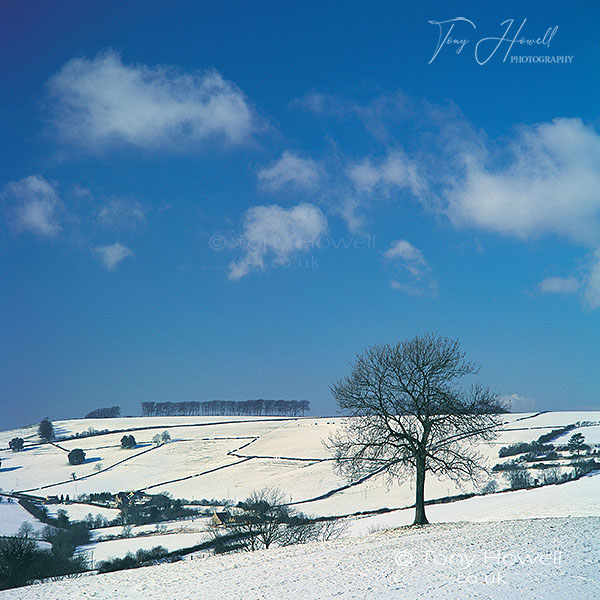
(101, 101)
(112, 255)
(323, 104)
(520, 403)
(546, 180)
(278, 233)
(396, 170)
(350, 209)
(290, 169)
(121, 213)
(33, 205)
(418, 275)
(591, 295)
(559, 285)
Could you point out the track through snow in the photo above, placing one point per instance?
(524, 559)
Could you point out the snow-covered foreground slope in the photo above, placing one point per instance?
(573, 499)
(525, 559)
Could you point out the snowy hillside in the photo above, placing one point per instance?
(525, 559)
(225, 458)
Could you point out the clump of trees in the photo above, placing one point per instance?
(22, 560)
(583, 467)
(524, 447)
(90, 432)
(76, 456)
(104, 413)
(537, 446)
(555, 433)
(518, 478)
(46, 430)
(264, 520)
(16, 444)
(159, 507)
(162, 438)
(128, 441)
(98, 521)
(411, 417)
(258, 407)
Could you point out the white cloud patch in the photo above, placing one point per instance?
(112, 255)
(418, 277)
(545, 181)
(101, 101)
(396, 170)
(591, 294)
(520, 403)
(32, 204)
(121, 213)
(292, 170)
(559, 285)
(276, 233)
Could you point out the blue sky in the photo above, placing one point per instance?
(232, 201)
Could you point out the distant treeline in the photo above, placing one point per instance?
(104, 413)
(292, 408)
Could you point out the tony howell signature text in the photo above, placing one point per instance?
(454, 33)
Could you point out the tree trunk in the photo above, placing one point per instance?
(420, 518)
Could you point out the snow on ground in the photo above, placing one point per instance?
(119, 548)
(572, 499)
(73, 426)
(78, 512)
(590, 433)
(198, 524)
(193, 449)
(525, 559)
(557, 419)
(207, 460)
(12, 516)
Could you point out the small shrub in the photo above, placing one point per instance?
(76, 456)
(16, 444)
(490, 487)
(128, 441)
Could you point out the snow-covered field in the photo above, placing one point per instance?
(524, 559)
(12, 516)
(228, 457)
(118, 548)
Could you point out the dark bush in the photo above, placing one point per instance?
(509, 465)
(552, 435)
(46, 429)
(128, 441)
(16, 444)
(533, 448)
(77, 456)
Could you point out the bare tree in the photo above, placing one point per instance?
(408, 415)
(263, 520)
(519, 478)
